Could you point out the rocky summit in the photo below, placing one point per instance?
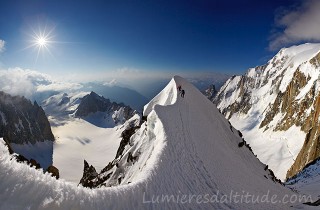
(93, 103)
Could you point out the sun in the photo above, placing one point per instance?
(42, 42)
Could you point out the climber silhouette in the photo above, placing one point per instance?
(182, 93)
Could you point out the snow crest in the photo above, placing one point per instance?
(166, 97)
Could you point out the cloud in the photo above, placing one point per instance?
(2, 45)
(126, 70)
(111, 83)
(30, 83)
(133, 73)
(298, 24)
(59, 87)
(21, 82)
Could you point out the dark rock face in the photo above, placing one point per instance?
(126, 134)
(93, 103)
(23, 122)
(53, 171)
(285, 103)
(210, 92)
(310, 151)
(35, 163)
(89, 174)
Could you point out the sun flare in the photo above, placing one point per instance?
(42, 41)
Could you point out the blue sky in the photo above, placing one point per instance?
(96, 37)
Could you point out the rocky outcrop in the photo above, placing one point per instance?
(89, 176)
(315, 61)
(53, 171)
(34, 163)
(311, 147)
(285, 103)
(23, 122)
(210, 92)
(125, 135)
(94, 103)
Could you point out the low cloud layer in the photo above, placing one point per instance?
(29, 83)
(21, 82)
(297, 24)
(2, 45)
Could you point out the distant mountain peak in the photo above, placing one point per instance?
(93, 94)
(98, 110)
(275, 100)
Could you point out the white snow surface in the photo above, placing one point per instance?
(78, 140)
(276, 149)
(192, 151)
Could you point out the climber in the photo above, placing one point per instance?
(182, 93)
(179, 88)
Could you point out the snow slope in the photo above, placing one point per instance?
(77, 140)
(192, 155)
(276, 149)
